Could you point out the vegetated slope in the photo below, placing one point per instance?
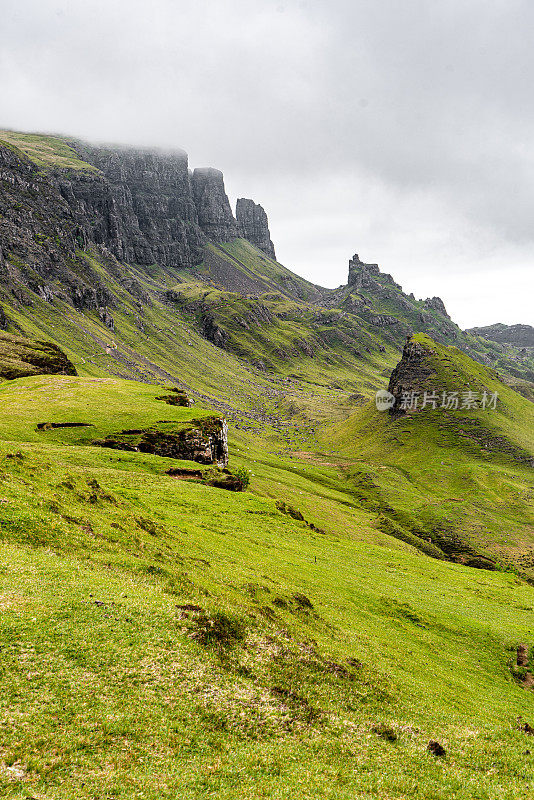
(460, 480)
(166, 637)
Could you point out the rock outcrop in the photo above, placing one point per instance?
(202, 440)
(518, 335)
(436, 304)
(139, 207)
(215, 216)
(21, 357)
(254, 225)
(410, 373)
(375, 297)
(361, 275)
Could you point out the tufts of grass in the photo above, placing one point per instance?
(47, 152)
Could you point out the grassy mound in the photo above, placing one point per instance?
(20, 357)
(459, 480)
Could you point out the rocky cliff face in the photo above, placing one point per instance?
(254, 225)
(130, 206)
(39, 236)
(213, 208)
(437, 304)
(139, 205)
(410, 373)
(518, 335)
(360, 274)
(150, 209)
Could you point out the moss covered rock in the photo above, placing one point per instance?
(21, 357)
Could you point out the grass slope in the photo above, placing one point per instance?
(162, 638)
(91, 611)
(47, 152)
(460, 480)
(20, 356)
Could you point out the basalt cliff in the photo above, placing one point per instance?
(107, 233)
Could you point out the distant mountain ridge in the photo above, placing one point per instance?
(519, 335)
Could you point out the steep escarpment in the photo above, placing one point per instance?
(151, 209)
(41, 234)
(213, 208)
(254, 225)
(139, 205)
(518, 335)
(144, 206)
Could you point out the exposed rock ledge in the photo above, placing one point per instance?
(20, 357)
(202, 440)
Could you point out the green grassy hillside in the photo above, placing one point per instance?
(164, 638)
(20, 356)
(371, 592)
(458, 479)
(168, 638)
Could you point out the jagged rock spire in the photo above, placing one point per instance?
(213, 208)
(254, 225)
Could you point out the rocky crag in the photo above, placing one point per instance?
(139, 207)
(518, 335)
(254, 225)
(113, 231)
(375, 296)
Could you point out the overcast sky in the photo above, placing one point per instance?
(402, 130)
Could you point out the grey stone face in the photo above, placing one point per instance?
(518, 335)
(437, 304)
(254, 225)
(360, 274)
(215, 216)
(138, 207)
(141, 205)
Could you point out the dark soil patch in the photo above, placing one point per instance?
(186, 473)
(48, 426)
(436, 749)
(521, 671)
(302, 601)
(385, 732)
(218, 629)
